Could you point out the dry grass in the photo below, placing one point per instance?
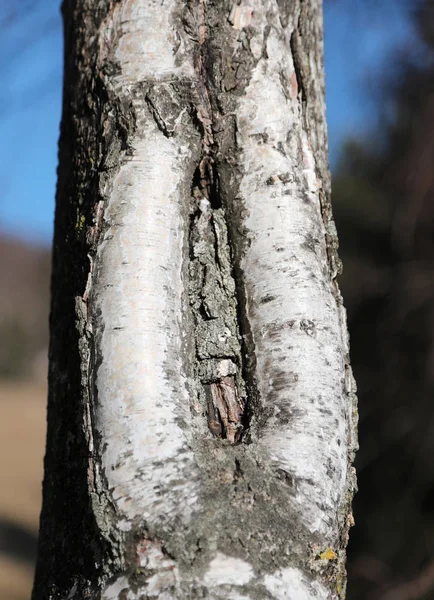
(22, 440)
(15, 579)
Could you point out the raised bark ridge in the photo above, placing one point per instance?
(202, 412)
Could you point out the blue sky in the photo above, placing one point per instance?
(361, 38)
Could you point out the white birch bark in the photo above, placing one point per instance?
(202, 410)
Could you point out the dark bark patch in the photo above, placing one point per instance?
(164, 106)
(308, 327)
(285, 477)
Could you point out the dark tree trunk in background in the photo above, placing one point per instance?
(384, 204)
(201, 423)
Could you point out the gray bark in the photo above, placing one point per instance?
(202, 412)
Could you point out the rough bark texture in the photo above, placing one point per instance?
(201, 423)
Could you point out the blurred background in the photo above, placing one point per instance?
(380, 103)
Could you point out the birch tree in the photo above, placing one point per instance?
(201, 416)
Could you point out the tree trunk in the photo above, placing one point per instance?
(201, 418)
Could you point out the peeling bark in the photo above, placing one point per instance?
(202, 412)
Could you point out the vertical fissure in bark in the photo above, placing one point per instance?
(297, 64)
(212, 295)
(215, 290)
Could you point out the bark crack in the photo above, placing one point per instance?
(212, 297)
(298, 69)
(213, 290)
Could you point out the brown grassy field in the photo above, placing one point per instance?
(22, 440)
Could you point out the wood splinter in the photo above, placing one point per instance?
(225, 410)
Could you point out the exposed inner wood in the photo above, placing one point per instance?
(225, 410)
